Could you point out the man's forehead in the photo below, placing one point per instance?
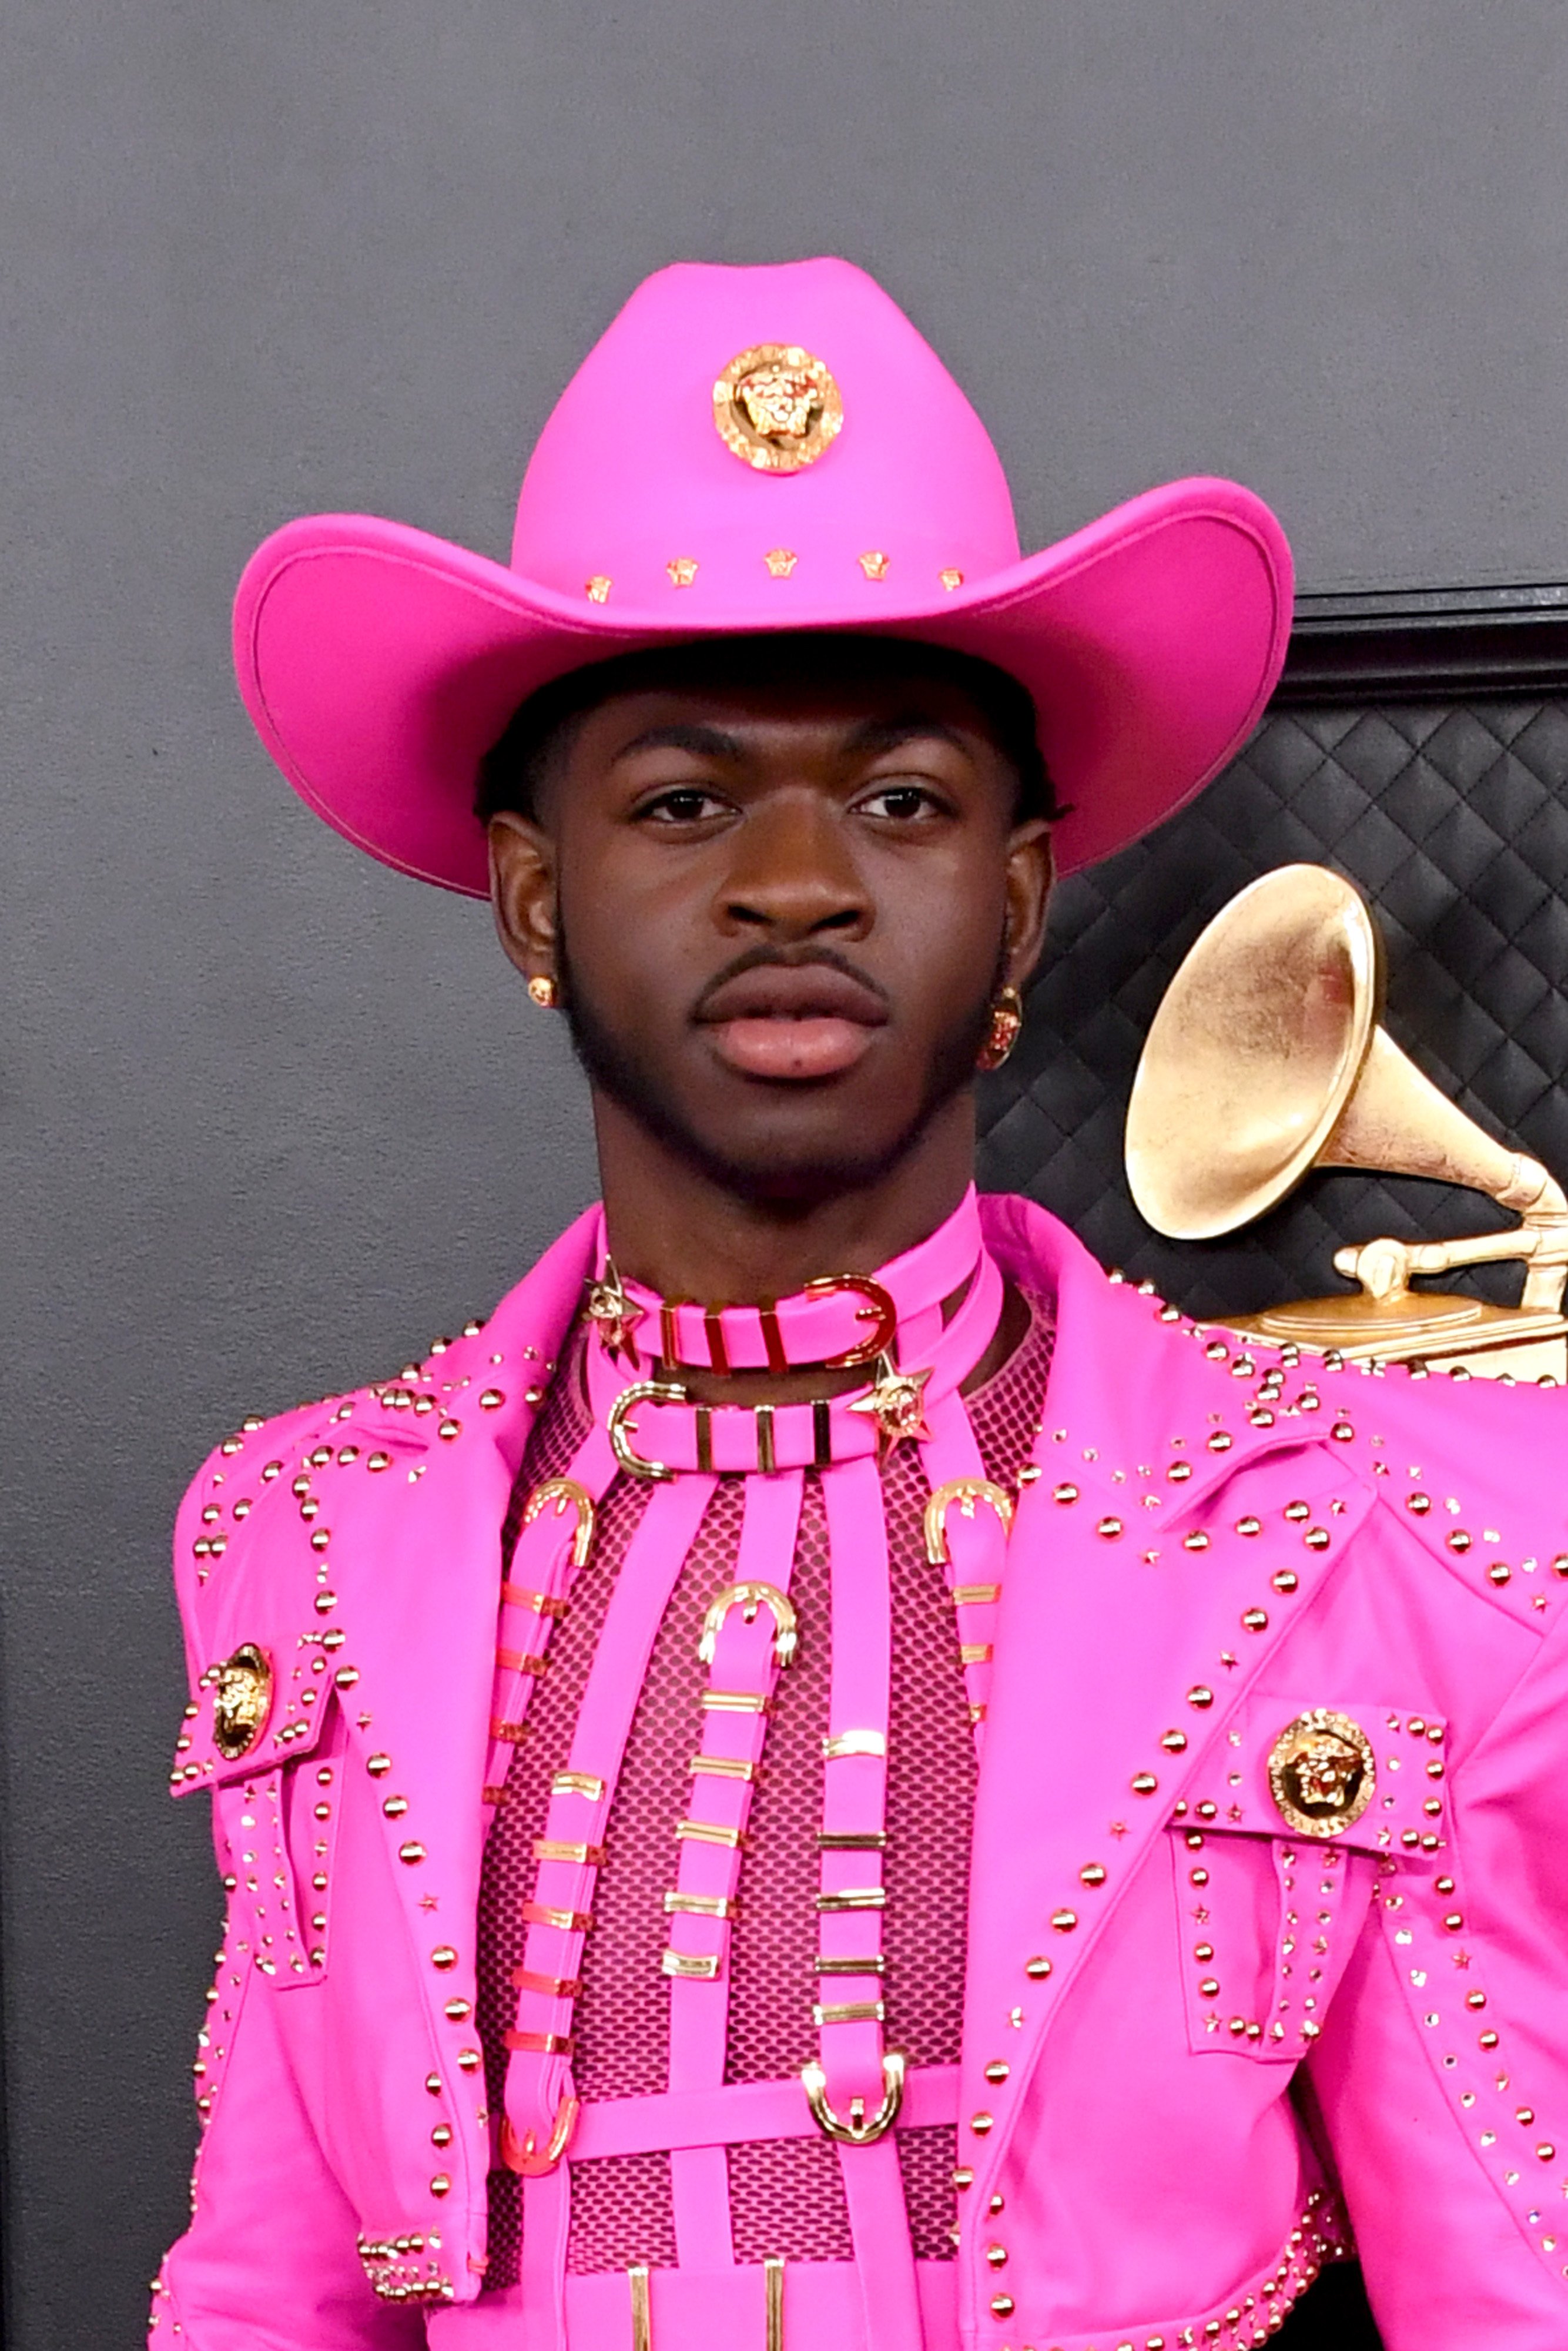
(871, 712)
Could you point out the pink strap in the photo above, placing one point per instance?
(738, 2112)
(884, 2254)
(969, 1520)
(547, 2220)
(535, 1594)
(854, 1781)
(842, 1317)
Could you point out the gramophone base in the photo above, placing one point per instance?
(1450, 1332)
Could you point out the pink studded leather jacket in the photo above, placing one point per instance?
(1246, 1602)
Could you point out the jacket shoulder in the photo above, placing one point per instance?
(251, 1562)
(234, 1495)
(1463, 1466)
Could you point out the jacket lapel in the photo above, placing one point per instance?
(416, 1562)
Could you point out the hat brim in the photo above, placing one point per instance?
(380, 663)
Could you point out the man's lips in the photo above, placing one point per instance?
(792, 1021)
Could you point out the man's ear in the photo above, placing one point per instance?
(523, 894)
(1030, 872)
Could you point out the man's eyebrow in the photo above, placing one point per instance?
(704, 742)
(878, 735)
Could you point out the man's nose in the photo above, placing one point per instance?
(792, 872)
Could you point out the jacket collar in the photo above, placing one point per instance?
(424, 1662)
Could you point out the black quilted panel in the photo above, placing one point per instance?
(1453, 817)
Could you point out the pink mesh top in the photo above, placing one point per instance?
(786, 2196)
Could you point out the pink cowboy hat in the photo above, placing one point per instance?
(749, 450)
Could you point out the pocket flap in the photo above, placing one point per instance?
(263, 1704)
(1342, 1771)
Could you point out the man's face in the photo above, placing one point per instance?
(778, 918)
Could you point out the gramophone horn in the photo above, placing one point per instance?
(1253, 1054)
(1266, 1059)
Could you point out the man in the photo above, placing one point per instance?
(831, 1774)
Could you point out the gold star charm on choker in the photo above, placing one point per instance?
(614, 1315)
(897, 1401)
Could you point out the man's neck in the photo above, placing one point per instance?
(683, 1235)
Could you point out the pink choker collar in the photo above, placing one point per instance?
(841, 1320)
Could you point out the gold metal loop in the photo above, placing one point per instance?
(525, 2155)
(749, 1598)
(879, 1309)
(567, 1495)
(642, 2307)
(859, 2130)
(621, 1430)
(966, 1492)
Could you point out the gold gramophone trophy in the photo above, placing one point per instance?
(1267, 1058)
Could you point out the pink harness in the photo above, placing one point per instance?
(856, 2091)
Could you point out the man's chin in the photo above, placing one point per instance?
(800, 1152)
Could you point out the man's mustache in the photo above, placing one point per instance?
(802, 958)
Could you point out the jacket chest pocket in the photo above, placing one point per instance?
(1276, 1853)
(280, 1827)
(1266, 1927)
(276, 1807)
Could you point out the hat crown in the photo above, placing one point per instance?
(747, 449)
(636, 498)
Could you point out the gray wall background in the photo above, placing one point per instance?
(269, 1116)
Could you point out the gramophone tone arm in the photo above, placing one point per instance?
(1385, 1268)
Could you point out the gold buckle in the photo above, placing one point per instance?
(525, 2155)
(966, 1492)
(858, 2129)
(621, 1434)
(879, 1309)
(567, 1495)
(749, 1598)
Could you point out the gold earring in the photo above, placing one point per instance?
(542, 988)
(1007, 1021)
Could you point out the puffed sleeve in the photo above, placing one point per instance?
(270, 2260)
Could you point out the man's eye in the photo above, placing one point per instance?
(686, 804)
(900, 802)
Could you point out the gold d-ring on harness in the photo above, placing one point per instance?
(621, 1430)
(859, 2130)
(567, 1495)
(966, 1492)
(749, 1598)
